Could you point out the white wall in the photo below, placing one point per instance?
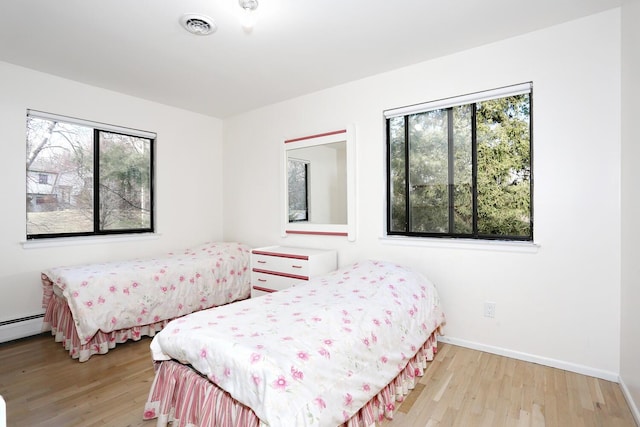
(630, 315)
(188, 179)
(559, 304)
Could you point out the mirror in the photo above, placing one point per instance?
(318, 184)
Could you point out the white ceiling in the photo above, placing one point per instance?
(138, 47)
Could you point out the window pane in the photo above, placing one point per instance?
(59, 177)
(428, 172)
(125, 182)
(463, 170)
(397, 144)
(504, 167)
(298, 184)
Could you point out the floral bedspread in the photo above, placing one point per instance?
(119, 295)
(311, 355)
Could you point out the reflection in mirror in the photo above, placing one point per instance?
(318, 184)
(298, 184)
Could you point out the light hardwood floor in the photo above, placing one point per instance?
(43, 386)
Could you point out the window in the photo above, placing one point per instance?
(298, 187)
(461, 167)
(86, 178)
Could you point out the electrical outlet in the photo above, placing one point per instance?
(489, 309)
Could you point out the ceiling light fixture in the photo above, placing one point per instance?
(200, 25)
(248, 15)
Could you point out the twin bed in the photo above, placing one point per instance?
(341, 350)
(91, 308)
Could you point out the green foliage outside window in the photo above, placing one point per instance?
(463, 171)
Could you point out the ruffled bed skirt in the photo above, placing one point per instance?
(181, 396)
(59, 320)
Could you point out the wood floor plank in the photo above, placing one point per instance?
(43, 386)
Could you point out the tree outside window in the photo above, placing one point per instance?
(462, 171)
(298, 190)
(98, 181)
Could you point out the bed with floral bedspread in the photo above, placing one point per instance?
(90, 308)
(339, 350)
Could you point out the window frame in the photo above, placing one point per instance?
(447, 104)
(97, 129)
(305, 166)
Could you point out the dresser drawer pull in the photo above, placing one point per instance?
(296, 266)
(261, 261)
(262, 280)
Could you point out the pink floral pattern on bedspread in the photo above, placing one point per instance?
(311, 355)
(120, 295)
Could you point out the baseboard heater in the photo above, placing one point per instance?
(20, 328)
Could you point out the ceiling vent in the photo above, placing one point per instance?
(199, 25)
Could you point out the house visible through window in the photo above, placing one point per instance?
(461, 167)
(87, 178)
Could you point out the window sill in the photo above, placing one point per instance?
(466, 244)
(87, 240)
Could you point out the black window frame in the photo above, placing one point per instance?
(306, 166)
(475, 234)
(99, 128)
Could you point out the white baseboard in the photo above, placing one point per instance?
(560, 364)
(632, 405)
(21, 329)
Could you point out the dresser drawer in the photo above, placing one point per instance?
(275, 268)
(273, 282)
(298, 268)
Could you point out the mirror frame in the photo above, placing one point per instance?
(288, 228)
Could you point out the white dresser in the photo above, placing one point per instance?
(275, 268)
